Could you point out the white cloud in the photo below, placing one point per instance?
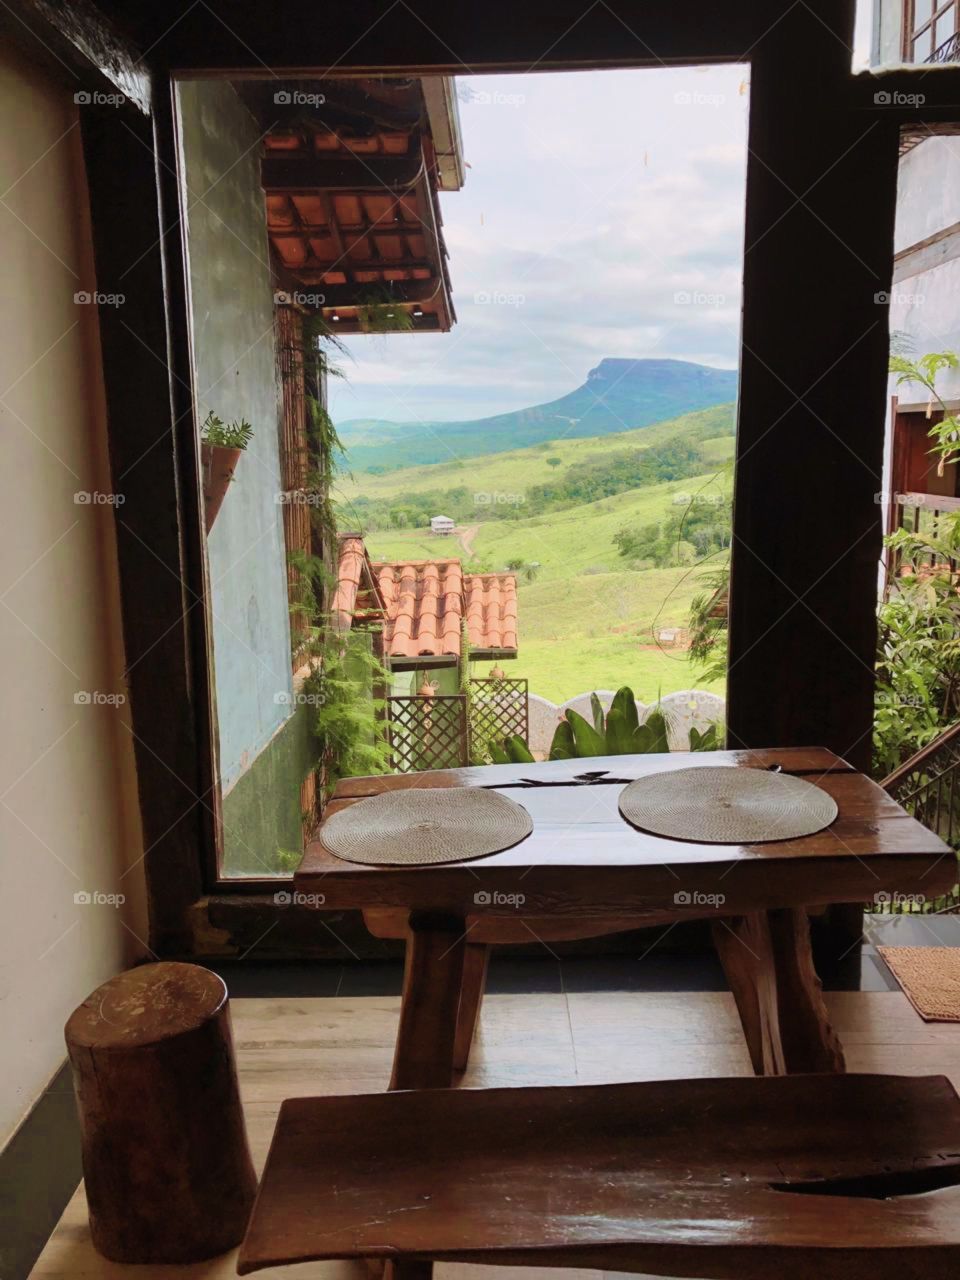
(593, 199)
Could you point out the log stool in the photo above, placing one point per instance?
(166, 1163)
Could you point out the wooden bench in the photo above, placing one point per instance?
(839, 1177)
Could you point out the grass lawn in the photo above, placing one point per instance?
(585, 622)
(564, 543)
(595, 631)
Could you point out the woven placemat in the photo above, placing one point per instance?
(930, 978)
(719, 805)
(426, 826)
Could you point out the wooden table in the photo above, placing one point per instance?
(584, 870)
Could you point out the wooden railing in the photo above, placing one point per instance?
(928, 787)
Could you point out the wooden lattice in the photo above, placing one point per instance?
(428, 733)
(498, 710)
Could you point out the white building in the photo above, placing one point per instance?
(442, 524)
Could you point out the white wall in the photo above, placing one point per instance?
(69, 821)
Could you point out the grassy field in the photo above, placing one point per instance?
(563, 543)
(594, 631)
(586, 622)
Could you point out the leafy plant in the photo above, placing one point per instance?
(228, 435)
(924, 372)
(918, 651)
(709, 615)
(616, 732)
(349, 720)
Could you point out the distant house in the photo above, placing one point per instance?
(442, 524)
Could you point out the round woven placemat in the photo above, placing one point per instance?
(426, 826)
(719, 805)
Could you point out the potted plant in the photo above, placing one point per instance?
(221, 445)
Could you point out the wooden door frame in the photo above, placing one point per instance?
(813, 370)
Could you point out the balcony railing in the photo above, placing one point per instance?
(949, 51)
(928, 787)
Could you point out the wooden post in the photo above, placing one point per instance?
(166, 1163)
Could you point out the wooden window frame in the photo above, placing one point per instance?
(803, 590)
(912, 32)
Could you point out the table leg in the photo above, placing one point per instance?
(432, 978)
(476, 958)
(767, 959)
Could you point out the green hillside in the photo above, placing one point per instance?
(508, 475)
(586, 620)
(587, 617)
(617, 395)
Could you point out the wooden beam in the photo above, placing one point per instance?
(161, 612)
(81, 45)
(347, 173)
(807, 530)
(451, 39)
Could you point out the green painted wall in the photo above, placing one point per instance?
(262, 823)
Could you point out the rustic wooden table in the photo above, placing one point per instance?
(584, 870)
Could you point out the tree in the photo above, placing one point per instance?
(554, 461)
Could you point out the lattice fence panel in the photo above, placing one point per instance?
(498, 710)
(428, 733)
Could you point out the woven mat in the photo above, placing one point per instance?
(930, 978)
(719, 805)
(426, 826)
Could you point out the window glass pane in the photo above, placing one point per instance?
(921, 47)
(922, 11)
(946, 25)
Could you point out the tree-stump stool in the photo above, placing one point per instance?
(166, 1163)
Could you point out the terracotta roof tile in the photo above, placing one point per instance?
(425, 601)
(355, 579)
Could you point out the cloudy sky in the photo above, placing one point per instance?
(602, 215)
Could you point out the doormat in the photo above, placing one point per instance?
(930, 978)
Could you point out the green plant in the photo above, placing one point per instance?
(918, 653)
(924, 372)
(228, 435)
(349, 724)
(709, 614)
(616, 732)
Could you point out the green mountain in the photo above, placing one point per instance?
(618, 395)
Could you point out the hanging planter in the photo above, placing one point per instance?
(221, 445)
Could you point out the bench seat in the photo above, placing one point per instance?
(835, 1177)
